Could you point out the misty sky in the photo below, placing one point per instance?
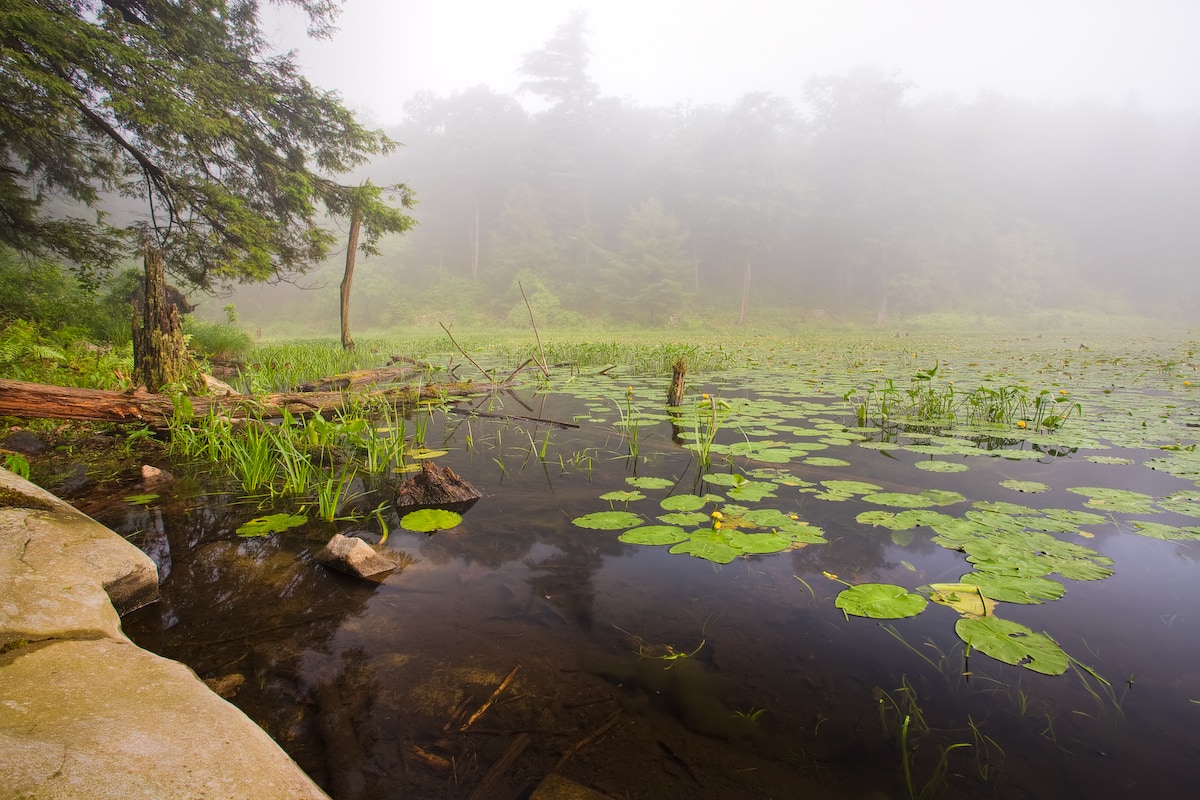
(659, 52)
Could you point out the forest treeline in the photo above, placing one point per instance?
(855, 201)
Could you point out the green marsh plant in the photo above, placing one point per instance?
(629, 423)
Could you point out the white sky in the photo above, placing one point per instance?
(659, 52)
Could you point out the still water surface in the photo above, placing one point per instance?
(646, 674)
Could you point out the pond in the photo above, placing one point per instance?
(767, 593)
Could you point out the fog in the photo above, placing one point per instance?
(656, 163)
(659, 52)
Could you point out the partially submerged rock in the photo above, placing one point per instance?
(435, 487)
(153, 476)
(355, 557)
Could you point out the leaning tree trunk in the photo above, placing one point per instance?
(160, 356)
(745, 295)
(348, 276)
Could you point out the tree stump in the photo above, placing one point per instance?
(678, 374)
(435, 487)
(160, 356)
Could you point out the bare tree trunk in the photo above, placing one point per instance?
(745, 295)
(160, 356)
(348, 276)
(881, 311)
(475, 244)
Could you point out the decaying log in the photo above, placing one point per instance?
(358, 378)
(43, 401)
(435, 486)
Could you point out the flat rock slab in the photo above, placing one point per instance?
(105, 719)
(62, 574)
(84, 712)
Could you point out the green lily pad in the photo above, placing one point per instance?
(654, 535)
(898, 499)
(1013, 589)
(826, 461)
(622, 496)
(708, 548)
(752, 491)
(272, 523)
(943, 497)
(942, 466)
(607, 520)
(428, 520)
(851, 487)
(1012, 643)
(650, 483)
(1182, 502)
(724, 479)
(1122, 500)
(880, 601)
(758, 543)
(1159, 530)
(683, 502)
(1032, 487)
(1109, 460)
(684, 518)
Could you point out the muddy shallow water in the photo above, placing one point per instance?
(647, 674)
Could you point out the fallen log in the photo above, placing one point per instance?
(44, 401)
(358, 378)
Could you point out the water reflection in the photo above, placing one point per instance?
(740, 680)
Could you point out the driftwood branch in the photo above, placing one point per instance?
(491, 700)
(536, 335)
(43, 401)
(585, 741)
(464, 352)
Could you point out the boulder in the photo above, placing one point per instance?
(355, 557)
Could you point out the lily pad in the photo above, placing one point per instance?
(654, 535)
(1013, 643)
(683, 502)
(622, 496)
(880, 601)
(752, 491)
(758, 543)
(898, 499)
(650, 483)
(607, 520)
(724, 479)
(707, 547)
(428, 520)
(1032, 487)
(272, 523)
(684, 518)
(851, 487)
(1109, 460)
(942, 466)
(966, 598)
(1121, 500)
(826, 461)
(1013, 589)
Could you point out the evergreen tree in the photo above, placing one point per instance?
(184, 106)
